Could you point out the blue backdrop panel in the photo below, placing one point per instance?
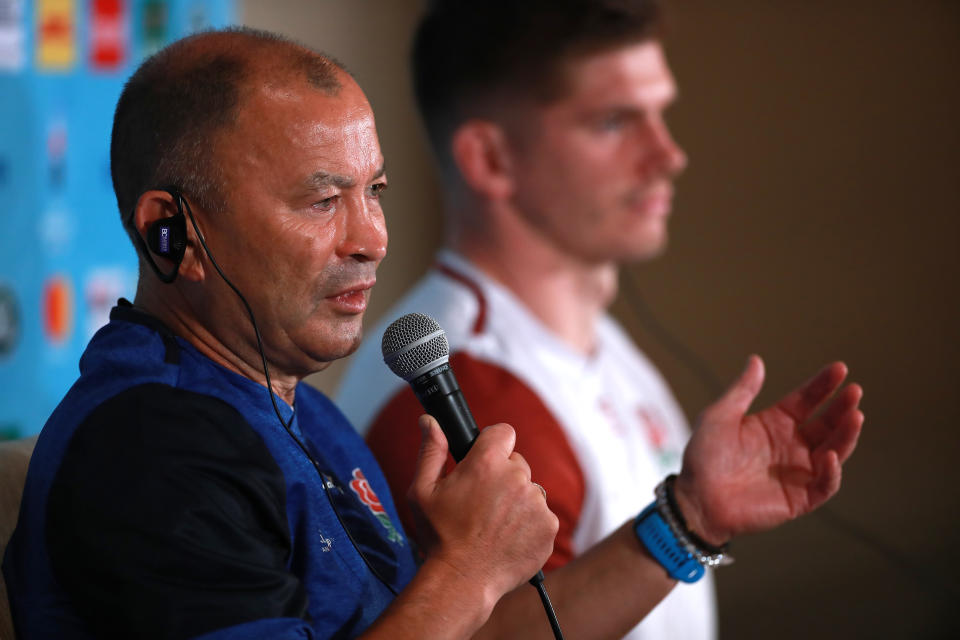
(64, 258)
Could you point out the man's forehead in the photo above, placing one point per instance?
(304, 137)
(300, 106)
(640, 69)
(268, 91)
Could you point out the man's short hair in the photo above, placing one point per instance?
(176, 103)
(472, 56)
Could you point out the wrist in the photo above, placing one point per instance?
(692, 513)
(471, 597)
(440, 602)
(662, 528)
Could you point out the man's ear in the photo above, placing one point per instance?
(481, 152)
(153, 206)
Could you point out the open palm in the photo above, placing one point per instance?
(745, 473)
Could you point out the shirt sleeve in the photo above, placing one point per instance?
(167, 519)
(493, 395)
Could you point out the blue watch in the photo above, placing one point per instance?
(663, 545)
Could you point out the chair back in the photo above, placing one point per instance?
(14, 459)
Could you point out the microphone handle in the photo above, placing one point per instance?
(441, 397)
(439, 393)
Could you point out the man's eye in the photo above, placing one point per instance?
(326, 204)
(613, 122)
(378, 188)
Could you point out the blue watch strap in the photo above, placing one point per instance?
(656, 536)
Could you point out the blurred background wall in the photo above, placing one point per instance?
(818, 220)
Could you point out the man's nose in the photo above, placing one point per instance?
(660, 154)
(671, 157)
(365, 235)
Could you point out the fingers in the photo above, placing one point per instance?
(540, 488)
(741, 393)
(498, 439)
(487, 519)
(839, 427)
(827, 480)
(494, 444)
(801, 403)
(432, 456)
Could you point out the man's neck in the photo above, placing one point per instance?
(182, 322)
(566, 294)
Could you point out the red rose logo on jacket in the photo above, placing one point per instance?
(368, 497)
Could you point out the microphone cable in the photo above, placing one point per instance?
(926, 578)
(537, 582)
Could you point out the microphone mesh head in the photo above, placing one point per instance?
(413, 344)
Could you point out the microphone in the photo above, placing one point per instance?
(415, 348)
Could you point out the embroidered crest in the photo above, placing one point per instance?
(368, 497)
(658, 437)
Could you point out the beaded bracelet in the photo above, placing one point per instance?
(706, 554)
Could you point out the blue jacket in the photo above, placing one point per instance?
(165, 499)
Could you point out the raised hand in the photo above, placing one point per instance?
(485, 519)
(746, 473)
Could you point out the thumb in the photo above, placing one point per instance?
(742, 392)
(432, 456)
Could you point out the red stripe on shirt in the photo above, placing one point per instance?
(480, 323)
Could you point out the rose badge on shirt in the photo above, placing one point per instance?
(657, 435)
(368, 497)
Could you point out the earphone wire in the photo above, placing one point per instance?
(697, 365)
(328, 484)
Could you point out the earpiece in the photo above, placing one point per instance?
(167, 237)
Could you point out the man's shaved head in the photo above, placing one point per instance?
(173, 107)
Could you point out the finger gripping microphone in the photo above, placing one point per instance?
(415, 348)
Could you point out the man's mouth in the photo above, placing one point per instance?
(353, 298)
(655, 202)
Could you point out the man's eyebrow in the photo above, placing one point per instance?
(319, 179)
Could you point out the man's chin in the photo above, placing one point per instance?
(331, 343)
(649, 249)
(343, 346)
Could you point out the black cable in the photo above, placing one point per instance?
(327, 482)
(928, 579)
(923, 576)
(537, 581)
(687, 357)
(253, 320)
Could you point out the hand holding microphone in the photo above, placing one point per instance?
(486, 513)
(486, 518)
